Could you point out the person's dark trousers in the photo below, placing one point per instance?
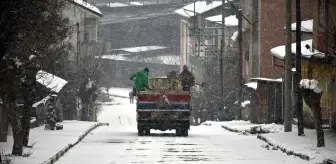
(186, 88)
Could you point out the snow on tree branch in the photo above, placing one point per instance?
(311, 85)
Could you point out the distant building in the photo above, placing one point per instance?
(200, 49)
(83, 19)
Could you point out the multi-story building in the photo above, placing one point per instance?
(200, 49)
(262, 32)
(83, 19)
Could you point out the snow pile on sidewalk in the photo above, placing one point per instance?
(240, 126)
(48, 143)
(304, 145)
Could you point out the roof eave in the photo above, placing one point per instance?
(92, 11)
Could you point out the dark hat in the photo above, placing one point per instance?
(146, 69)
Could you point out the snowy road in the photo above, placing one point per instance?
(119, 144)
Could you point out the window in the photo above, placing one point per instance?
(321, 12)
(90, 33)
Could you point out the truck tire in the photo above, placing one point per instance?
(184, 132)
(147, 132)
(178, 132)
(143, 132)
(140, 132)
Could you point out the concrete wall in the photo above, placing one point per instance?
(162, 30)
(120, 71)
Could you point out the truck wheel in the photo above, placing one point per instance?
(184, 132)
(141, 131)
(178, 132)
(147, 132)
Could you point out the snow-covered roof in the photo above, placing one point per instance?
(306, 26)
(280, 51)
(43, 101)
(141, 48)
(88, 6)
(50, 81)
(252, 85)
(117, 4)
(229, 21)
(200, 7)
(169, 59)
(310, 84)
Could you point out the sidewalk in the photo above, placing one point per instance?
(48, 143)
(274, 135)
(304, 145)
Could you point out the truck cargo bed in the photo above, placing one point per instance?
(163, 110)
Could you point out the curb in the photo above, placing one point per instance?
(288, 152)
(235, 130)
(283, 149)
(329, 161)
(57, 156)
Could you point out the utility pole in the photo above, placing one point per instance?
(298, 77)
(240, 59)
(221, 63)
(255, 40)
(288, 69)
(77, 80)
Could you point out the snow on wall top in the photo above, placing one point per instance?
(310, 84)
(141, 48)
(199, 7)
(136, 3)
(116, 4)
(280, 51)
(229, 21)
(87, 6)
(267, 79)
(50, 81)
(245, 103)
(234, 36)
(252, 85)
(306, 26)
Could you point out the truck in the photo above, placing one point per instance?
(164, 107)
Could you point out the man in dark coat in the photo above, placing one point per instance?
(187, 79)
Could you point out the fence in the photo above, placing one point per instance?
(266, 102)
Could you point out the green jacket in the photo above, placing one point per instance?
(141, 79)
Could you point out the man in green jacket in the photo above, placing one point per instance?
(140, 81)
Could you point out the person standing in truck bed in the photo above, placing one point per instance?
(140, 79)
(187, 79)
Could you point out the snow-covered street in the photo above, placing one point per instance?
(119, 143)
